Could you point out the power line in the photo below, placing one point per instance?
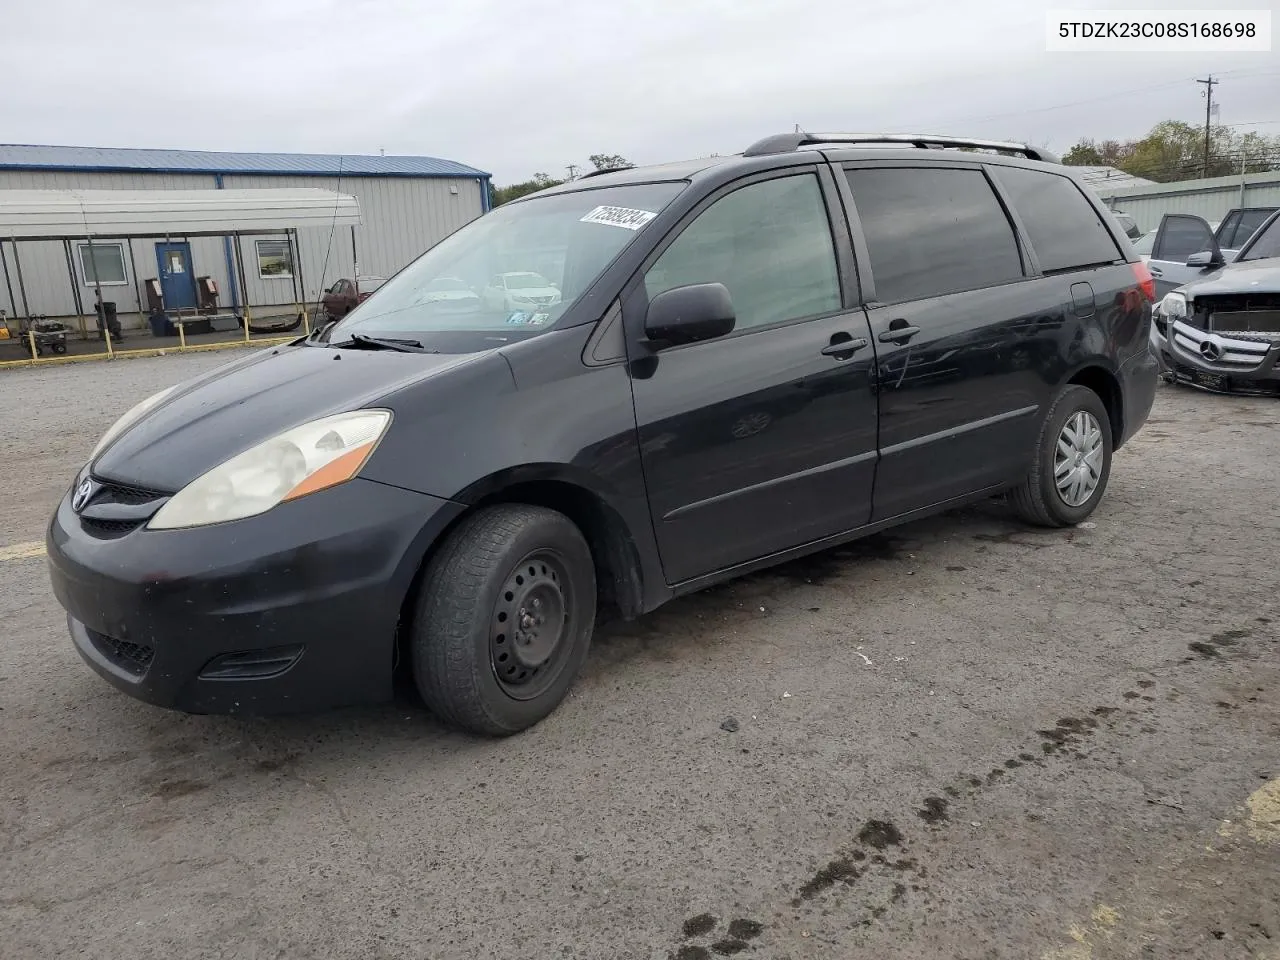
(1063, 106)
(1208, 117)
(1113, 95)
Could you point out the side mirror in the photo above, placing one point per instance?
(700, 311)
(1206, 258)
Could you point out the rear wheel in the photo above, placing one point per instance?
(1071, 464)
(504, 619)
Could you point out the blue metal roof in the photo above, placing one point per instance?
(32, 157)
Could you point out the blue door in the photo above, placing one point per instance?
(176, 282)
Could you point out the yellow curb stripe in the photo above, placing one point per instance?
(148, 352)
(22, 551)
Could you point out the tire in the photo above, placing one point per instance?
(475, 666)
(1038, 499)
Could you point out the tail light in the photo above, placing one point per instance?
(1145, 281)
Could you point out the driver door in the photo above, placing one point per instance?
(764, 439)
(1180, 235)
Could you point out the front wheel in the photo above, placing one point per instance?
(504, 618)
(1071, 463)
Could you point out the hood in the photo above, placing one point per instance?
(214, 417)
(1252, 276)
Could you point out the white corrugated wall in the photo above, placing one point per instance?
(1211, 199)
(402, 217)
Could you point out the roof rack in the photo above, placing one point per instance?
(790, 142)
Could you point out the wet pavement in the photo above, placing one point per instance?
(961, 739)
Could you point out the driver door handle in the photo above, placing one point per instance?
(898, 335)
(843, 348)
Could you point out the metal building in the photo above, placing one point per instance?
(407, 204)
(1211, 198)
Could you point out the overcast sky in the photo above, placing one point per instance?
(518, 86)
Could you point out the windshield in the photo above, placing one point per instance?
(1266, 244)
(446, 283)
(543, 252)
(518, 281)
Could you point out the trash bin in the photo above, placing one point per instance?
(161, 325)
(107, 318)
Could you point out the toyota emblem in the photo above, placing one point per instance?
(1210, 350)
(82, 495)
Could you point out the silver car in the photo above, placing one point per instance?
(1221, 331)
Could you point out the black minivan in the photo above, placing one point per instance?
(728, 363)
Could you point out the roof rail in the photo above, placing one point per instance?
(596, 173)
(790, 142)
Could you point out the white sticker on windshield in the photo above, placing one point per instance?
(624, 217)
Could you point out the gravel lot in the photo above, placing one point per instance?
(962, 740)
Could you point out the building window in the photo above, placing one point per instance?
(275, 259)
(103, 263)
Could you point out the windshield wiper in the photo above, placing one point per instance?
(360, 340)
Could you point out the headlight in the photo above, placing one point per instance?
(303, 460)
(130, 416)
(1174, 305)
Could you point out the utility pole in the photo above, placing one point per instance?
(573, 171)
(1208, 113)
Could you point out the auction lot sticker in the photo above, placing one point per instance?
(623, 217)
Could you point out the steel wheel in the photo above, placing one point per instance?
(529, 624)
(1077, 460)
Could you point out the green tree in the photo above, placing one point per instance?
(610, 161)
(1174, 150)
(539, 181)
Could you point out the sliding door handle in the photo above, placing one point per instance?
(898, 335)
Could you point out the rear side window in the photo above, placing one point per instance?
(933, 231)
(1064, 228)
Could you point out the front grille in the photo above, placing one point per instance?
(119, 493)
(1242, 313)
(116, 509)
(109, 529)
(133, 658)
(1227, 353)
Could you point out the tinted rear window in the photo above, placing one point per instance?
(1064, 228)
(933, 231)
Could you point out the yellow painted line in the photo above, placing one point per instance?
(148, 352)
(22, 551)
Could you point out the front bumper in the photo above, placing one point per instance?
(1220, 363)
(293, 610)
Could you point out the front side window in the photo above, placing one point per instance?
(1226, 231)
(103, 263)
(510, 274)
(933, 231)
(1065, 230)
(769, 243)
(275, 259)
